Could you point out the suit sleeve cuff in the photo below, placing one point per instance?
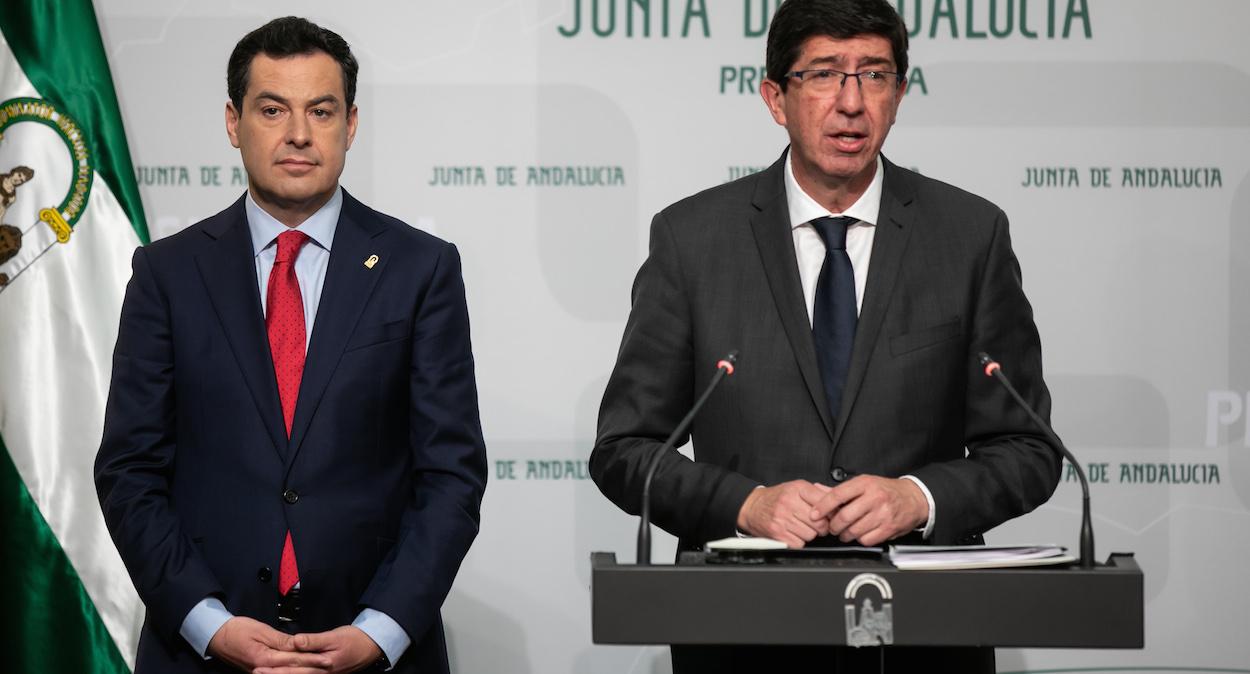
(928, 496)
(737, 531)
(202, 622)
(385, 632)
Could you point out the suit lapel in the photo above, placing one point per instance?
(229, 272)
(889, 244)
(773, 236)
(348, 285)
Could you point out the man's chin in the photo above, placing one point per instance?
(294, 196)
(300, 190)
(845, 170)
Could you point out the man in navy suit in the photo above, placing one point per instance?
(292, 463)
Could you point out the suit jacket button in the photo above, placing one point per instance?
(264, 574)
(838, 474)
(290, 496)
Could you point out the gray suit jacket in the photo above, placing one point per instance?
(722, 275)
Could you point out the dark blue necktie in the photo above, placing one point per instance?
(834, 314)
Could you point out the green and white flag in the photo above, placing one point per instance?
(70, 217)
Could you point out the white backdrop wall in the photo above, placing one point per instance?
(1132, 115)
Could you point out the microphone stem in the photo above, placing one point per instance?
(1087, 530)
(644, 523)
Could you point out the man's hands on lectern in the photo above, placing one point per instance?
(783, 512)
(872, 509)
(249, 644)
(867, 508)
(344, 649)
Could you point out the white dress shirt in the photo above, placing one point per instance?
(809, 248)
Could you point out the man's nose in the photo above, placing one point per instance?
(299, 131)
(850, 98)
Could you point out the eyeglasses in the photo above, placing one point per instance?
(824, 81)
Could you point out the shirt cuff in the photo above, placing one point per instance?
(928, 496)
(385, 632)
(202, 622)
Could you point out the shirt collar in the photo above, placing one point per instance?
(804, 209)
(319, 226)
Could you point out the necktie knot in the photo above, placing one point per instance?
(833, 230)
(289, 244)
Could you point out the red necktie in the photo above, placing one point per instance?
(285, 324)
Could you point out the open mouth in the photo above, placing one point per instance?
(849, 141)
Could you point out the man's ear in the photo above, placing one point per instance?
(775, 99)
(353, 118)
(232, 124)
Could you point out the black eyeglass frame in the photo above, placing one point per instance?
(801, 75)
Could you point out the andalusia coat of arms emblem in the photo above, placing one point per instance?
(45, 179)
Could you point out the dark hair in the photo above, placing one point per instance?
(798, 20)
(288, 36)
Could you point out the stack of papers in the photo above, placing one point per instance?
(919, 557)
(744, 543)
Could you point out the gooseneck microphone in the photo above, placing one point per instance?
(993, 369)
(724, 368)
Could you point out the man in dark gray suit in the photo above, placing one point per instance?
(858, 294)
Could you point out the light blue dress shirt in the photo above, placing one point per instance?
(206, 617)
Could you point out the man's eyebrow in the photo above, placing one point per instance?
(837, 59)
(876, 61)
(824, 61)
(281, 100)
(322, 100)
(270, 96)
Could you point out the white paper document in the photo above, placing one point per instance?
(919, 557)
(745, 543)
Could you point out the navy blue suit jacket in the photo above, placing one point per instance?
(381, 480)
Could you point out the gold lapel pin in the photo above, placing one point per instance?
(373, 259)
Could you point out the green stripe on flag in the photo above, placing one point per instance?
(48, 621)
(57, 44)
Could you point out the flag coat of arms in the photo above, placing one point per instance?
(70, 217)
